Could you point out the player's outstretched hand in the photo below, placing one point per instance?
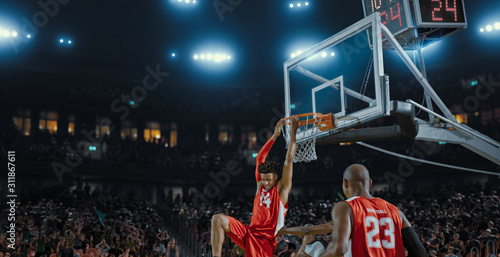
(277, 129)
(295, 123)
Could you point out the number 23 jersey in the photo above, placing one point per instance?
(376, 230)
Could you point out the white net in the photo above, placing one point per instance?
(306, 151)
(306, 140)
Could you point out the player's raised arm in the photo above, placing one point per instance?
(342, 226)
(308, 230)
(285, 184)
(261, 157)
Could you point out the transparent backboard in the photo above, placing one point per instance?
(341, 75)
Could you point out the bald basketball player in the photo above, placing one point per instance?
(364, 225)
(269, 206)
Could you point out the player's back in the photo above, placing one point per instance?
(376, 230)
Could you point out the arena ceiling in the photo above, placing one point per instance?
(118, 39)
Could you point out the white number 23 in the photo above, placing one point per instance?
(388, 225)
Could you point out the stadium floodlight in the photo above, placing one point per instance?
(497, 25)
(215, 57)
(184, 2)
(323, 54)
(7, 33)
(63, 41)
(489, 28)
(299, 4)
(298, 52)
(28, 36)
(173, 54)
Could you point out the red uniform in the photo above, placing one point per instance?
(377, 229)
(268, 217)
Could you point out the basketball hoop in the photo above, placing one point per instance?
(307, 131)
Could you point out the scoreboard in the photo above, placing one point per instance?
(395, 14)
(432, 19)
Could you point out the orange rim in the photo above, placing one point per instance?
(322, 121)
(313, 116)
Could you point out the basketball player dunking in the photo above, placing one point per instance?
(364, 225)
(269, 206)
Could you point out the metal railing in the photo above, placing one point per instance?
(493, 252)
(184, 234)
(472, 252)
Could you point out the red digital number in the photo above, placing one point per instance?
(452, 9)
(393, 17)
(437, 12)
(384, 17)
(437, 9)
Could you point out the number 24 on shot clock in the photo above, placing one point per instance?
(440, 13)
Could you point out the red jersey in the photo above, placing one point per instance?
(376, 229)
(268, 215)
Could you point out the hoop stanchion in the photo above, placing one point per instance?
(308, 130)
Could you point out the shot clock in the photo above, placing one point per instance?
(440, 13)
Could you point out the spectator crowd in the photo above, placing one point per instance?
(55, 221)
(449, 221)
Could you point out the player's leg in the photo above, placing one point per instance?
(220, 225)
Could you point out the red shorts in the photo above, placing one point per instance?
(254, 246)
